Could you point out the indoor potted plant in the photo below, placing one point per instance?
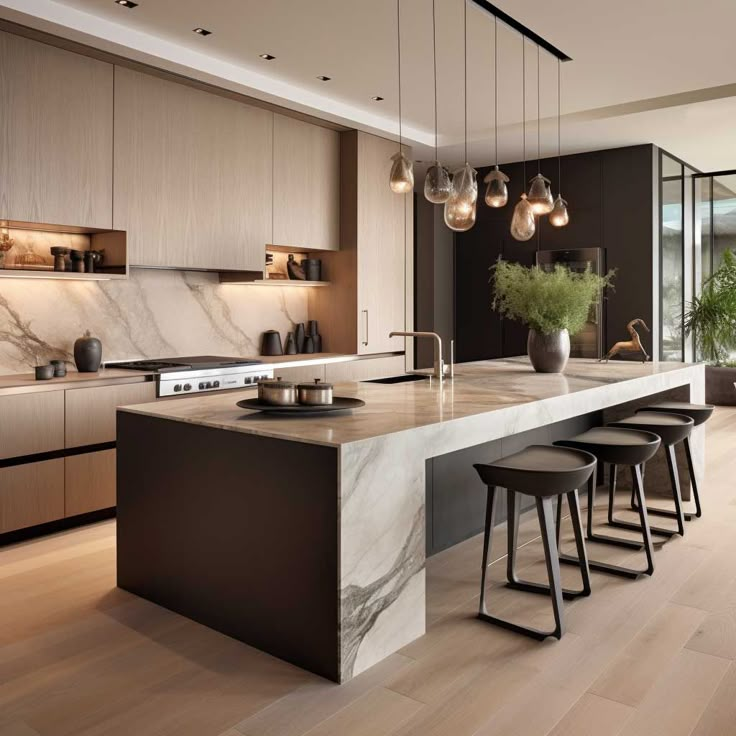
(554, 304)
(711, 318)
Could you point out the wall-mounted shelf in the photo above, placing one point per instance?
(237, 278)
(29, 247)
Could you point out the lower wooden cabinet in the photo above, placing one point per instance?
(89, 482)
(31, 494)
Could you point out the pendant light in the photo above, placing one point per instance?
(460, 208)
(522, 222)
(540, 193)
(559, 216)
(497, 193)
(401, 179)
(437, 184)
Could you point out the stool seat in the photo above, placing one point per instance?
(616, 445)
(671, 428)
(540, 470)
(699, 413)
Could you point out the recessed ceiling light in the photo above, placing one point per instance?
(376, 98)
(127, 3)
(267, 57)
(202, 31)
(322, 78)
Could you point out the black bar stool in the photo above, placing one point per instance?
(699, 413)
(616, 446)
(543, 472)
(671, 429)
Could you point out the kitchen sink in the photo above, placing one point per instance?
(406, 378)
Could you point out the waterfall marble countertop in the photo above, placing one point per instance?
(507, 390)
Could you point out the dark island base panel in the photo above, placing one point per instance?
(456, 497)
(54, 527)
(237, 532)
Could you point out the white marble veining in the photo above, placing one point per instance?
(383, 450)
(154, 313)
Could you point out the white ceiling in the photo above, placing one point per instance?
(650, 71)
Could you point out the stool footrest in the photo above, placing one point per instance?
(542, 589)
(637, 528)
(624, 572)
(618, 541)
(688, 515)
(528, 631)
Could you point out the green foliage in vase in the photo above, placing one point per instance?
(711, 317)
(546, 301)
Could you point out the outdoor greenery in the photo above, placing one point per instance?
(547, 301)
(711, 317)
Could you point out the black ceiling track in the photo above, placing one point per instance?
(527, 32)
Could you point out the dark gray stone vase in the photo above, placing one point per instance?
(87, 354)
(548, 353)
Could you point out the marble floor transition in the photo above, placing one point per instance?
(78, 657)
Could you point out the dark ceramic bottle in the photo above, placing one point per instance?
(88, 353)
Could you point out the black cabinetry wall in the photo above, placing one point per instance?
(613, 198)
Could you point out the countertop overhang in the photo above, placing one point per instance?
(504, 388)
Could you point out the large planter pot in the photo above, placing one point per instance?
(548, 353)
(719, 386)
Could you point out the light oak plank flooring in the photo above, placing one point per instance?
(656, 656)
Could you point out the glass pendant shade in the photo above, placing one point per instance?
(559, 216)
(460, 208)
(540, 195)
(402, 174)
(522, 223)
(497, 193)
(437, 184)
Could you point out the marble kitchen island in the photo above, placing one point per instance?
(305, 536)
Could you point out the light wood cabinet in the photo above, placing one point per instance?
(365, 369)
(31, 423)
(56, 139)
(89, 482)
(306, 185)
(369, 279)
(91, 412)
(31, 494)
(193, 176)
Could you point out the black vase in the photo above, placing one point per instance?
(299, 335)
(290, 347)
(87, 353)
(271, 343)
(312, 327)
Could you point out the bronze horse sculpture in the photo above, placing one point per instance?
(628, 346)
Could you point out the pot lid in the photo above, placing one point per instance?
(317, 385)
(276, 383)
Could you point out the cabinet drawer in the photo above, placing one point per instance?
(31, 423)
(31, 494)
(90, 412)
(89, 482)
(365, 370)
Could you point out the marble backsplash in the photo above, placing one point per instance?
(153, 314)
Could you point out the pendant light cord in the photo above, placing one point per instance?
(398, 46)
(539, 117)
(523, 106)
(495, 84)
(559, 147)
(434, 62)
(465, 68)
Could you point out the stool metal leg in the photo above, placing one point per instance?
(490, 519)
(672, 514)
(513, 580)
(547, 526)
(606, 567)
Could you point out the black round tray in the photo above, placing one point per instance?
(339, 403)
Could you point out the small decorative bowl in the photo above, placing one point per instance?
(44, 372)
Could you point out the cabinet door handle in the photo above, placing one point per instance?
(365, 330)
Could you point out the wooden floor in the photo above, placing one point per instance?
(657, 656)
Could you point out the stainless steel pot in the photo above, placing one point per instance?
(277, 393)
(315, 394)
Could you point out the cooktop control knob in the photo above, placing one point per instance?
(187, 386)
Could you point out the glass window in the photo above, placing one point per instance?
(724, 217)
(672, 261)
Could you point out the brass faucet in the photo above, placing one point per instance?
(439, 363)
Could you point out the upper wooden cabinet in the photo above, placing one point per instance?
(306, 185)
(56, 111)
(193, 176)
(367, 297)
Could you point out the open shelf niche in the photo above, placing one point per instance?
(275, 273)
